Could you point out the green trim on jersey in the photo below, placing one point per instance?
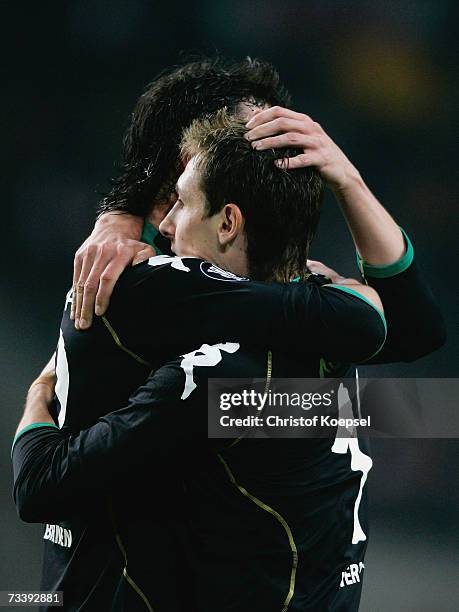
(362, 297)
(28, 428)
(347, 289)
(325, 367)
(149, 234)
(388, 270)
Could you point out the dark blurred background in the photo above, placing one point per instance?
(380, 77)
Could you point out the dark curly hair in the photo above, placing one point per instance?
(151, 157)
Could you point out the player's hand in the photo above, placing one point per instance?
(320, 268)
(279, 127)
(99, 262)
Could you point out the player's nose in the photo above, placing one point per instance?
(167, 227)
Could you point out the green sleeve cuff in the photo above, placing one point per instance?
(149, 234)
(364, 299)
(388, 270)
(28, 428)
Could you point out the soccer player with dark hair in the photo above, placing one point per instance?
(151, 162)
(239, 497)
(168, 106)
(151, 165)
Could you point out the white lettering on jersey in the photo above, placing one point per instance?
(351, 574)
(62, 379)
(359, 461)
(216, 273)
(211, 355)
(68, 298)
(175, 262)
(58, 535)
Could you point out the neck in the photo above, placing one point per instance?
(234, 259)
(231, 257)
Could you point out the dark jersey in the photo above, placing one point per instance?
(160, 309)
(62, 462)
(261, 524)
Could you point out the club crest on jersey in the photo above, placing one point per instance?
(217, 273)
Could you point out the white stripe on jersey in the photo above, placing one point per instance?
(62, 383)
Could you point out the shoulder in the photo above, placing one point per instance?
(165, 272)
(157, 273)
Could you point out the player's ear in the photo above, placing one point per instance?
(231, 224)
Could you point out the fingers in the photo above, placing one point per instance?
(86, 299)
(276, 126)
(272, 113)
(316, 266)
(112, 231)
(100, 268)
(90, 254)
(77, 266)
(290, 129)
(144, 254)
(290, 139)
(299, 161)
(110, 276)
(280, 127)
(320, 268)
